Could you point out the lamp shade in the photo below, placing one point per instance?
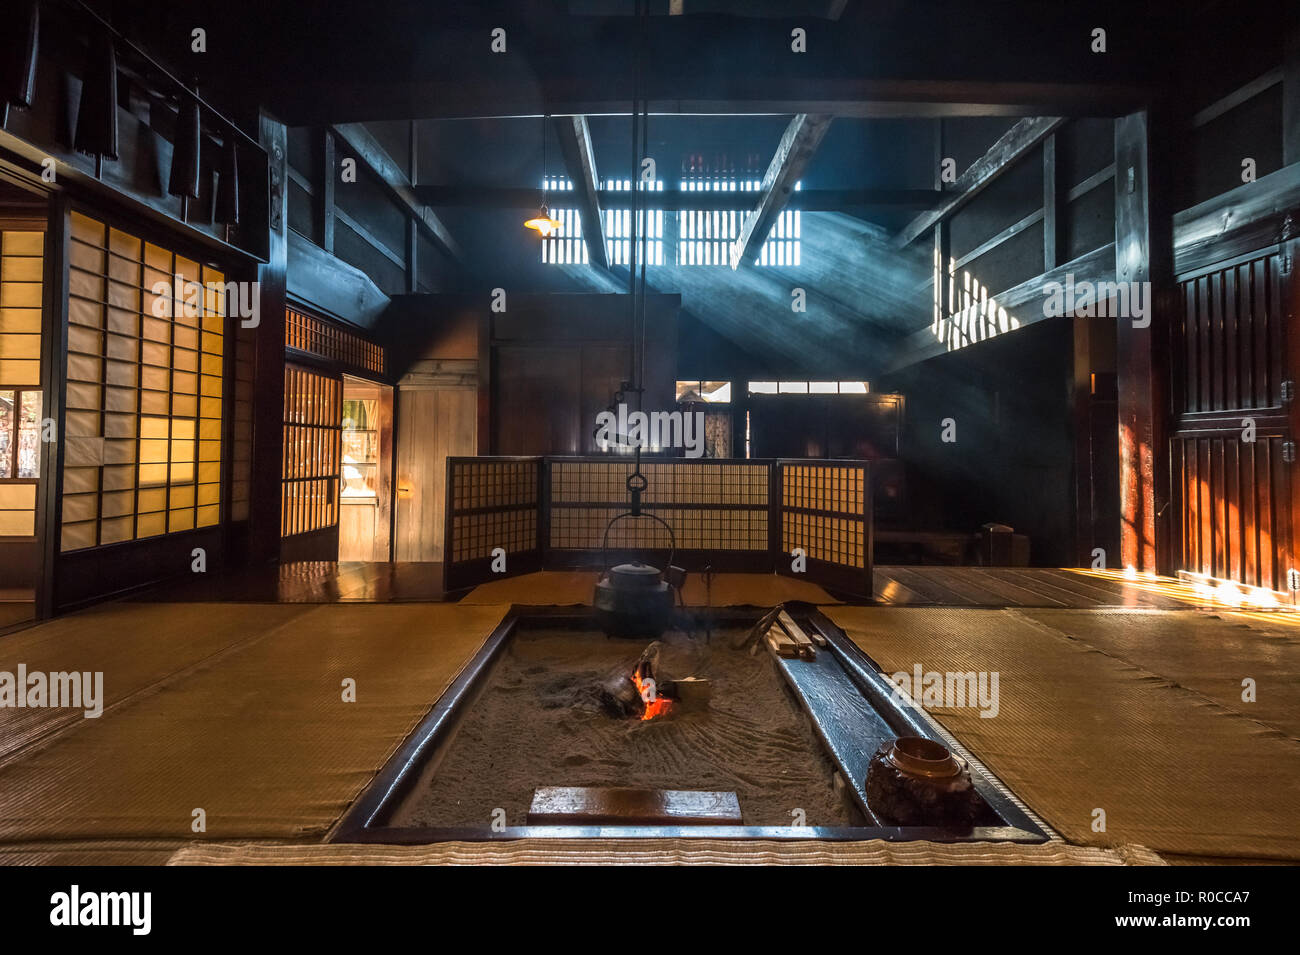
(96, 132)
(184, 177)
(542, 222)
(227, 210)
(19, 57)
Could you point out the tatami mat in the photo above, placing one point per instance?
(1202, 652)
(576, 588)
(667, 852)
(1080, 730)
(133, 645)
(261, 741)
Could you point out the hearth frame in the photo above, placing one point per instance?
(420, 753)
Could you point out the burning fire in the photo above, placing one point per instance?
(655, 705)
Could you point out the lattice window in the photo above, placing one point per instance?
(143, 425)
(313, 430)
(708, 236)
(567, 246)
(494, 504)
(306, 333)
(709, 505)
(22, 266)
(822, 512)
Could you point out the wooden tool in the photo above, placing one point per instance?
(801, 640)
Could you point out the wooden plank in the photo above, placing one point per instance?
(1232, 503)
(1019, 593)
(623, 806)
(936, 586)
(796, 149)
(1231, 341)
(891, 591)
(580, 161)
(1250, 540)
(1001, 156)
(1072, 589)
(1246, 335)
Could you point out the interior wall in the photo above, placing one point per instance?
(558, 360)
(1009, 401)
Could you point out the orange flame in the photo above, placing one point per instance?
(655, 705)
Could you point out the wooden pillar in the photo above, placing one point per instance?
(1053, 202)
(1144, 254)
(54, 353)
(324, 195)
(268, 388)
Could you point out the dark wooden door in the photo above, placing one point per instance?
(1232, 444)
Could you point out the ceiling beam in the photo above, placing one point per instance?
(368, 149)
(807, 200)
(580, 160)
(797, 147)
(967, 327)
(1001, 156)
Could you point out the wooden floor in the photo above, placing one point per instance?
(311, 582)
(345, 582)
(230, 692)
(1028, 587)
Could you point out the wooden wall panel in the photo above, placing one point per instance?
(1235, 518)
(433, 424)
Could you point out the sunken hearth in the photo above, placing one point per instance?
(570, 708)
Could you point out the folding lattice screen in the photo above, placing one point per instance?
(726, 515)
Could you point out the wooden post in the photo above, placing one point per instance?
(268, 388)
(325, 190)
(1143, 253)
(54, 356)
(1053, 201)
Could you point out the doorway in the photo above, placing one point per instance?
(365, 479)
(23, 430)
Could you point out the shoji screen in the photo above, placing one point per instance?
(313, 431)
(142, 438)
(21, 268)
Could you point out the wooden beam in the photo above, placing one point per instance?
(360, 140)
(330, 285)
(1251, 216)
(580, 160)
(1001, 156)
(807, 200)
(797, 147)
(1095, 266)
(1237, 97)
(1144, 253)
